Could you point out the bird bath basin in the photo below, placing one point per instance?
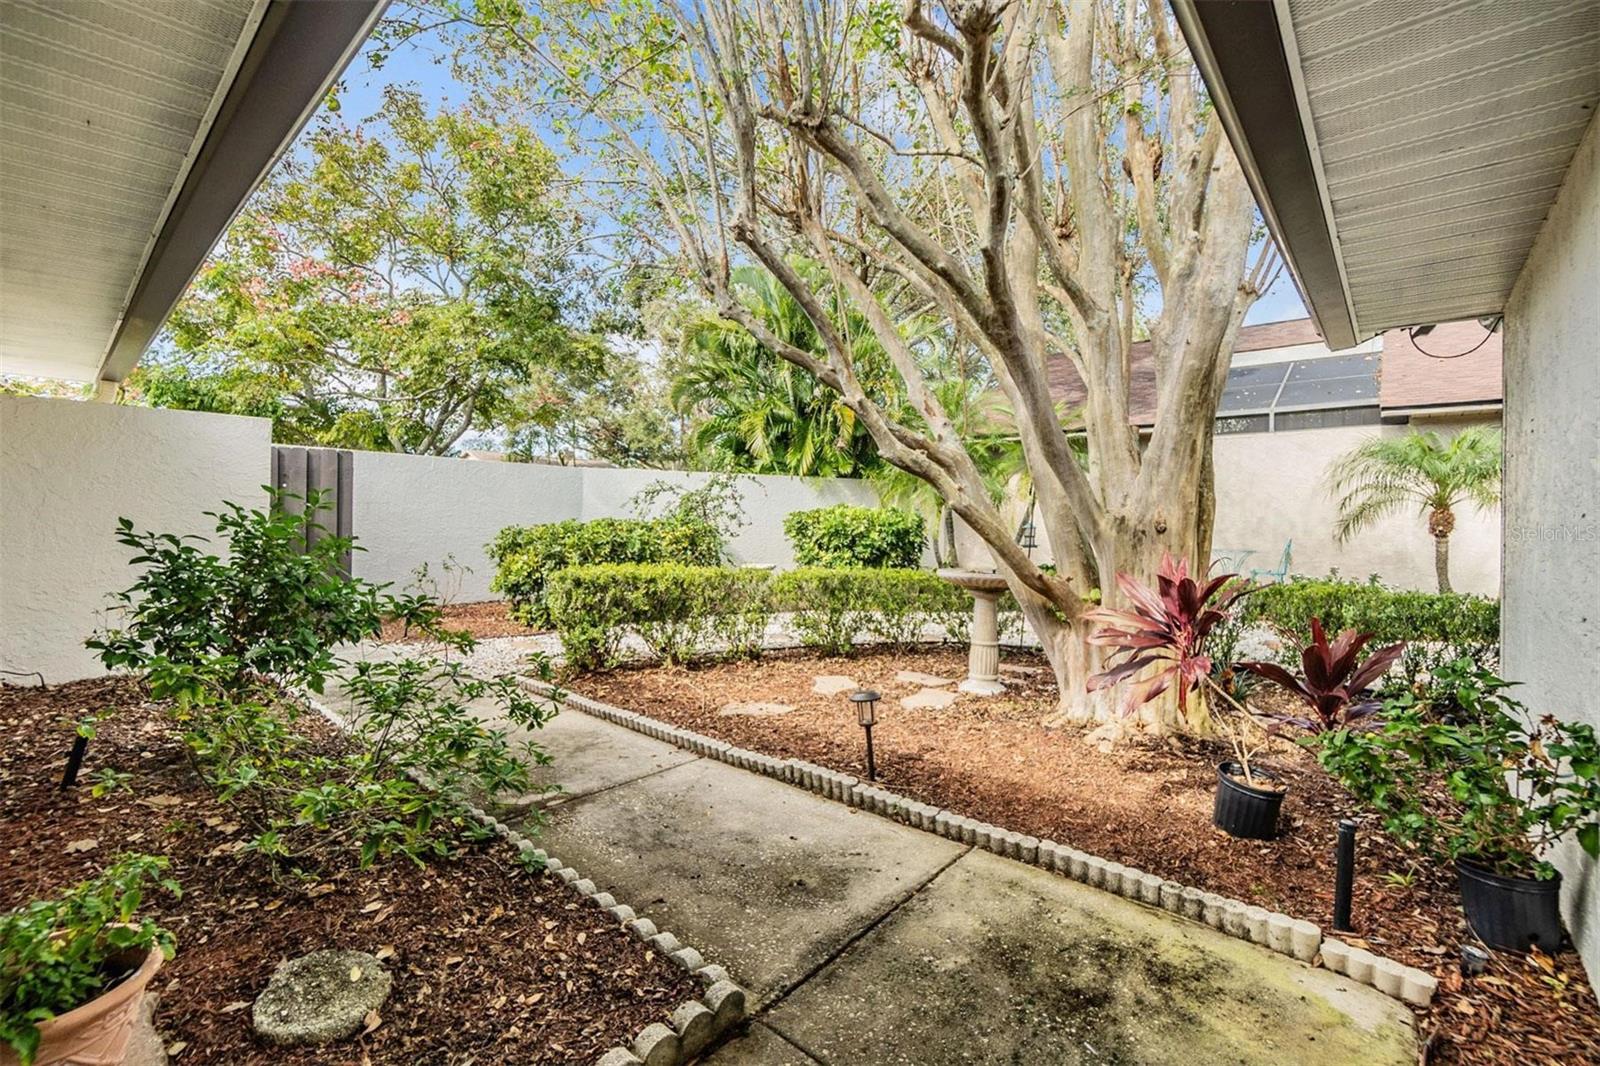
(983, 656)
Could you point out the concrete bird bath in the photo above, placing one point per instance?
(983, 658)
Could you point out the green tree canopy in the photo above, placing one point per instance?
(400, 283)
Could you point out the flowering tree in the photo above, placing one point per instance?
(1042, 176)
(398, 284)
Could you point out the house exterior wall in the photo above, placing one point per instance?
(1551, 586)
(68, 471)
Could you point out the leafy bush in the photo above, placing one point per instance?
(844, 536)
(272, 611)
(831, 606)
(230, 641)
(1334, 688)
(678, 611)
(1437, 628)
(1497, 787)
(526, 556)
(58, 954)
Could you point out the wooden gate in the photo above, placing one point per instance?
(299, 473)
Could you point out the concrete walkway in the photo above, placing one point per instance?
(863, 941)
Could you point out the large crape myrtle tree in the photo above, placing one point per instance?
(1043, 176)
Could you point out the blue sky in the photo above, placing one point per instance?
(422, 64)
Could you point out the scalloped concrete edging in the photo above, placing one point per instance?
(1295, 937)
(697, 1024)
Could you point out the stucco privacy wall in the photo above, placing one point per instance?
(1551, 593)
(414, 509)
(410, 510)
(1272, 487)
(68, 471)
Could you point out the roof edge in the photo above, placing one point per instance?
(1265, 126)
(299, 49)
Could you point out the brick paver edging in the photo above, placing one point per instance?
(695, 1023)
(1291, 936)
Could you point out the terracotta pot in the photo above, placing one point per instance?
(95, 1034)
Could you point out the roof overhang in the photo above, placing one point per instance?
(1404, 155)
(129, 139)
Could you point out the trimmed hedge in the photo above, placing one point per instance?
(831, 606)
(526, 556)
(1437, 627)
(843, 536)
(681, 612)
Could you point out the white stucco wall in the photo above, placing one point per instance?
(412, 509)
(1551, 593)
(415, 509)
(68, 471)
(767, 501)
(1272, 488)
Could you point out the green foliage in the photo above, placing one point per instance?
(756, 412)
(399, 284)
(58, 954)
(1493, 786)
(1419, 470)
(527, 556)
(396, 788)
(268, 609)
(848, 536)
(831, 606)
(678, 611)
(1438, 628)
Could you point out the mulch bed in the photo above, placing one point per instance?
(491, 963)
(1146, 803)
(485, 619)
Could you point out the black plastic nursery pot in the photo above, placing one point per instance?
(1511, 913)
(1243, 811)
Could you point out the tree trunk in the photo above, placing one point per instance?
(1441, 561)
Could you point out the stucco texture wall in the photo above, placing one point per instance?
(1273, 488)
(411, 510)
(68, 471)
(1551, 594)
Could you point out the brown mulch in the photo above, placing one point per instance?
(489, 618)
(1146, 803)
(491, 963)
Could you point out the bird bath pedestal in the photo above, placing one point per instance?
(983, 660)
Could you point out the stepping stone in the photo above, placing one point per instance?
(833, 685)
(320, 997)
(755, 709)
(916, 677)
(929, 699)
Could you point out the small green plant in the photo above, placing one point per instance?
(271, 610)
(108, 779)
(58, 954)
(848, 537)
(1496, 787)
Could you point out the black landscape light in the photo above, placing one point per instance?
(80, 745)
(866, 702)
(1344, 875)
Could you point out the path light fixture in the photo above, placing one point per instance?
(866, 702)
(1344, 875)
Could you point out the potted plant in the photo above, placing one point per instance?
(1161, 643)
(73, 968)
(1491, 790)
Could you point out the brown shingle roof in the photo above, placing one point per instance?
(1407, 377)
(1410, 378)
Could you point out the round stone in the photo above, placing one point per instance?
(320, 997)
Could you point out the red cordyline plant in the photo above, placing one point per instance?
(1165, 627)
(1334, 687)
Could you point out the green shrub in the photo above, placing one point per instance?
(526, 556)
(678, 611)
(843, 536)
(831, 606)
(56, 954)
(1438, 628)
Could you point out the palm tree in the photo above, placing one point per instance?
(757, 413)
(1432, 473)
